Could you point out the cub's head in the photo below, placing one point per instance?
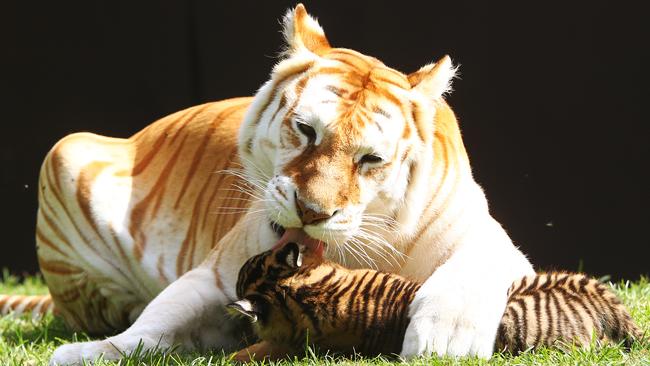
(259, 276)
(336, 139)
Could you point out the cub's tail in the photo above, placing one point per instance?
(38, 305)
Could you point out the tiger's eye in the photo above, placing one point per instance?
(370, 158)
(307, 130)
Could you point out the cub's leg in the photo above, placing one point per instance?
(190, 312)
(263, 351)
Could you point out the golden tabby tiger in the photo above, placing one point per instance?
(146, 235)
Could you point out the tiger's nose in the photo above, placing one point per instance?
(309, 216)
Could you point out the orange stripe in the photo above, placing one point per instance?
(141, 164)
(87, 177)
(156, 193)
(189, 118)
(33, 301)
(188, 247)
(41, 239)
(200, 152)
(299, 69)
(58, 267)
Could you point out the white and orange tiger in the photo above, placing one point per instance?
(336, 150)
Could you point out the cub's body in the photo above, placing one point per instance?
(296, 301)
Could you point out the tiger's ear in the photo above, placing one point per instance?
(302, 32)
(291, 255)
(243, 307)
(434, 80)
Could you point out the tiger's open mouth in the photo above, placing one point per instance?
(297, 235)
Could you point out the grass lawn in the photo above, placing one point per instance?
(24, 341)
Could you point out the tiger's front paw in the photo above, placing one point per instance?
(77, 353)
(452, 324)
(109, 349)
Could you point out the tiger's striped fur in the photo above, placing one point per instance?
(18, 304)
(562, 306)
(366, 311)
(107, 203)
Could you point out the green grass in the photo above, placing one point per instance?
(24, 341)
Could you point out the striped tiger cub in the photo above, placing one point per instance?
(292, 299)
(546, 307)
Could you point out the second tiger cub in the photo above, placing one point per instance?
(294, 299)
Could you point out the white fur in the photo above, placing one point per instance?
(441, 83)
(188, 313)
(176, 308)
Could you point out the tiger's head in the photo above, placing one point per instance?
(336, 139)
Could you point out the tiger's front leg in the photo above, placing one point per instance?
(457, 310)
(189, 313)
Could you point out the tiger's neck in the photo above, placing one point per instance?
(454, 209)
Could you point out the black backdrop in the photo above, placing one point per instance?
(551, 99)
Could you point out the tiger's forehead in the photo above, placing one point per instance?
(353, 91)
(358, 69)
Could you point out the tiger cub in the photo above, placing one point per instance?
(547, 307)
(293, 299)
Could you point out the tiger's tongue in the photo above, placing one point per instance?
(299, 236)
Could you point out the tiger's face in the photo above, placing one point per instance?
(343, 143)
(336, 139)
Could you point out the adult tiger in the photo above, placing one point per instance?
(335, 147)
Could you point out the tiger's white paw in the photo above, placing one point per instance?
(77, 353)
(455, 322)
(109, 349)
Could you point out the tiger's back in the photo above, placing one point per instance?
(120, 219)
(366, 311)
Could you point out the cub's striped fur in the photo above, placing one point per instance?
(366, 311)
(335, 308)
(550, 306)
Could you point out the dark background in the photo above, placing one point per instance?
(552, 99)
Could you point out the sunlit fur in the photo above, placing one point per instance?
(556, 306)
(183, 203)
(20, 304)
(365, 311)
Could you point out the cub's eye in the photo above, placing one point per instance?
(308, 131)
(370, 159)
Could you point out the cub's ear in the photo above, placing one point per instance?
(434, 80)
(290, 255)
(243, 307)
(302, 32)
